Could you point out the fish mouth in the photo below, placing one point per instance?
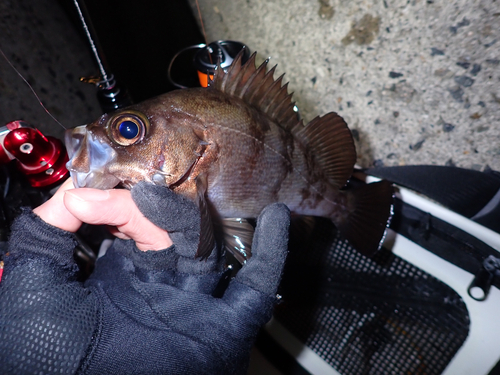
(89, 160)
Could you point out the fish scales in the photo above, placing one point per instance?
(260, 162)
(237, 146)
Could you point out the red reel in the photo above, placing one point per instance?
(42, 159)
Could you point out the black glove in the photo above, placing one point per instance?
(160, 315)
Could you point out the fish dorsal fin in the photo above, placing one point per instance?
(328, 136)
(258, 88)
(333, 146)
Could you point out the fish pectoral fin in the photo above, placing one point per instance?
(207, 239)
(238, 237)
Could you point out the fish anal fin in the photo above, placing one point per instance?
(329, 138)
(238, 237)
(257, 88)
(365, 226)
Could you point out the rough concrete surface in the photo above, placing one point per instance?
(417, 81)
(39, 40)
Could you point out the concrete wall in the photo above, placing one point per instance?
(40, 41)
(417, 81)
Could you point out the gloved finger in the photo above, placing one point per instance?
(197, 266)
(172, 212)
(263, 271)
(201, 283)
(248, 301)
(165, 208)
(181, 218)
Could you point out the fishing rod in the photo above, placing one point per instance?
(110, 94)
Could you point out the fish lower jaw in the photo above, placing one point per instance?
(94, 180)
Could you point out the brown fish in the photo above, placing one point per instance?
(234, 148)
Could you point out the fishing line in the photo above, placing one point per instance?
(203, 29)
(105, 79)
(31, 88)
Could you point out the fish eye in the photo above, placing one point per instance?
(127, 128)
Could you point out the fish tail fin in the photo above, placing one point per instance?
(366, 223)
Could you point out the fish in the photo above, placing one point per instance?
(233, 148)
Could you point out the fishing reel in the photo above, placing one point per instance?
(205, 58)
(42, 159)
(31, 166)
(40, 168)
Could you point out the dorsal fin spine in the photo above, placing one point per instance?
(257, 87)
(246, 76)
(235, 77)
(261, 71)
(257, 94)
(277, 110)
(284, 106)
(271, 94)
(281, 93)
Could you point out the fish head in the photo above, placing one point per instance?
(141, 143)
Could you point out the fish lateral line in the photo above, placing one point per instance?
(289, 163)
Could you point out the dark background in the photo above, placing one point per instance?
(138, 39)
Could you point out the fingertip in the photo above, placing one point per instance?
(88, 195)
(276, 212)
(272, 224)
(70, 195)
(55, 212)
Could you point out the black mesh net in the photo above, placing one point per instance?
(368, 316)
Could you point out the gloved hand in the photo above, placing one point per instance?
(163, 299)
